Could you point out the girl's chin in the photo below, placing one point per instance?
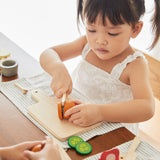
(103, 56)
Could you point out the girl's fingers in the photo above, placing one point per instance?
(72, 110)
(77, 102)
(60, 88)
(69, 90)
(60, 92)
(74, 117)
(77, 122)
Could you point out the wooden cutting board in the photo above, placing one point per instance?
(46, 113)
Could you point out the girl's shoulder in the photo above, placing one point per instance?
(86, 48)
(135, 59)
(139, 55)
(139, 58)
(80, 44)
(139, 63)
(82, 41)
(130, 64)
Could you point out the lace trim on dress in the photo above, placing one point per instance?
(118, 68)
(85, 51)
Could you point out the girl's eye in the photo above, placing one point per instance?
(113, 34)
(92, 31)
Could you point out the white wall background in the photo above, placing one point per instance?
(35, 25)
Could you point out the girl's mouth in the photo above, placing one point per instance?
(101, 50)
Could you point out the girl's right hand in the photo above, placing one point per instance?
(61, 81)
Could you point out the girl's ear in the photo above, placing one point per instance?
(137, 29)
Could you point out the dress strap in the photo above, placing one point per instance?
(118, 68)
(85, 51)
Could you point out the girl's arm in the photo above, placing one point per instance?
(51, 57)
(51, 61)
(139, 109)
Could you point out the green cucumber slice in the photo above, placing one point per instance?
(83, 148)
(74, 140)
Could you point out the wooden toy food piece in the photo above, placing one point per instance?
(131, 154)
(74, 140)
(79, 145)
(38, 147)
(61, 111)
(24, 91)
(112, 154)
(83, 148)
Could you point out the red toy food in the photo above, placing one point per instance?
(112, 154)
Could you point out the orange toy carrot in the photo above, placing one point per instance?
(67, 105)
(38, 147)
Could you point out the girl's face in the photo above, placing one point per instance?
(108, 41)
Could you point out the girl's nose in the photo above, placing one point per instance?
(101, 40)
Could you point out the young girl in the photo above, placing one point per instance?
(110, 73)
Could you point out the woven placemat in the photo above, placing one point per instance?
(42, 82)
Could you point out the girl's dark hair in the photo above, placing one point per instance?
(118, 12)
(156, 23)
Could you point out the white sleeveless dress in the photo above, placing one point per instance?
(102, 87)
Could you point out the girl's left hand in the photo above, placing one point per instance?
(84, 114)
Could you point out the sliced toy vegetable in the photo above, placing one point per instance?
(74, 140)
(83, 148)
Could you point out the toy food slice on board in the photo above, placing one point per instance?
(63, 108)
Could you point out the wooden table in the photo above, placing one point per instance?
(16, 128)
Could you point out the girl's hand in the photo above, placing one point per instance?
(49, 152)
(84, 114)
(16, 152)
(61, 81)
